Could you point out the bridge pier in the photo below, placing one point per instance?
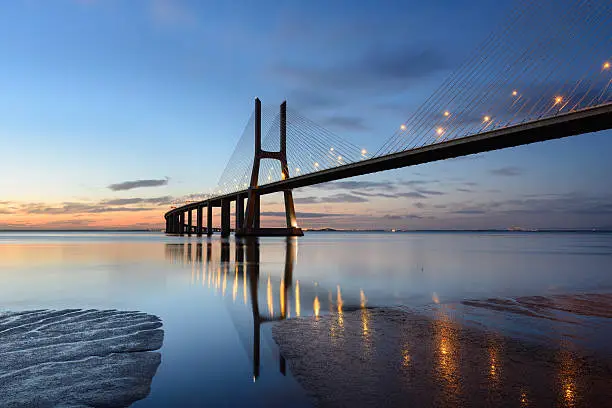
(239, 212)
(225, 217)
(252, 224)
(181, 228)
(209, 220)
(189, 221)
(199, 221)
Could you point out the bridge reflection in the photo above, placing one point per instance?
(273, 297)
(431, 359)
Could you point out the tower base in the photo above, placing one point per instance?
(269, 232)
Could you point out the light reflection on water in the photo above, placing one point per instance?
(218, 298)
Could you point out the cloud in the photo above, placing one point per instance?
(404, 63)
(507, 171)
(466, 120)
(411, 194)
(367, 194)
(171, 12)
(77, 208)
(336, 198)
(305, 214)
(351, 123)
(407, 194)
(430, 192)
(380, 67)
(128, 201)
(383, 189)
(402, 217)
(68, 224)
(545, 204)
(129, 185)
(414, 183)
(343, 198)
(470, 211)
(357, 185)
(306, 200)
(309, 99)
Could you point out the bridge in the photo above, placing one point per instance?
(545, 74)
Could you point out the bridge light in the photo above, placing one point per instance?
(283, 175)
(297, 169)
(316, 306)
(316, 164)
(606, 65)
(558, 100)
(269, 178)
(364, 152)
(439, 131)
(339, 157)
(403, 127)
(446, 113)
(486, 119)
(331, 149)
(514, 93)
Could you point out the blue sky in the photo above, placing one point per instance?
(99, 92)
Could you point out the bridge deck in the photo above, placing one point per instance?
(557, 127)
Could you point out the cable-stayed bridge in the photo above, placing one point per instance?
(545, 74)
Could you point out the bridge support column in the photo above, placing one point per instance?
(209, 220)
(290, 210)
(252, 224)
(181, 229)
(225, 218)
(239, 212)
(199, 221)
(189, 221)
(167, 229)
(256, 208)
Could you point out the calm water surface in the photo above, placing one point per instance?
(218, 299)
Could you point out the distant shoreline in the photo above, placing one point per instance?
(520, 231)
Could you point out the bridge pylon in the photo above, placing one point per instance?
(251, 225)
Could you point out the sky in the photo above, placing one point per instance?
(113, 109)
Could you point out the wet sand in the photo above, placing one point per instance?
(77, 358)
(392, 357)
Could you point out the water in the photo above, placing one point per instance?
(218, 299)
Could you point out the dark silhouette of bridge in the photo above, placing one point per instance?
(545, 75)
(245, 269)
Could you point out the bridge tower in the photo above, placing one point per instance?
(251, 225)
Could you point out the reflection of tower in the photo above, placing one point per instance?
(246, 268)
(252, 267)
